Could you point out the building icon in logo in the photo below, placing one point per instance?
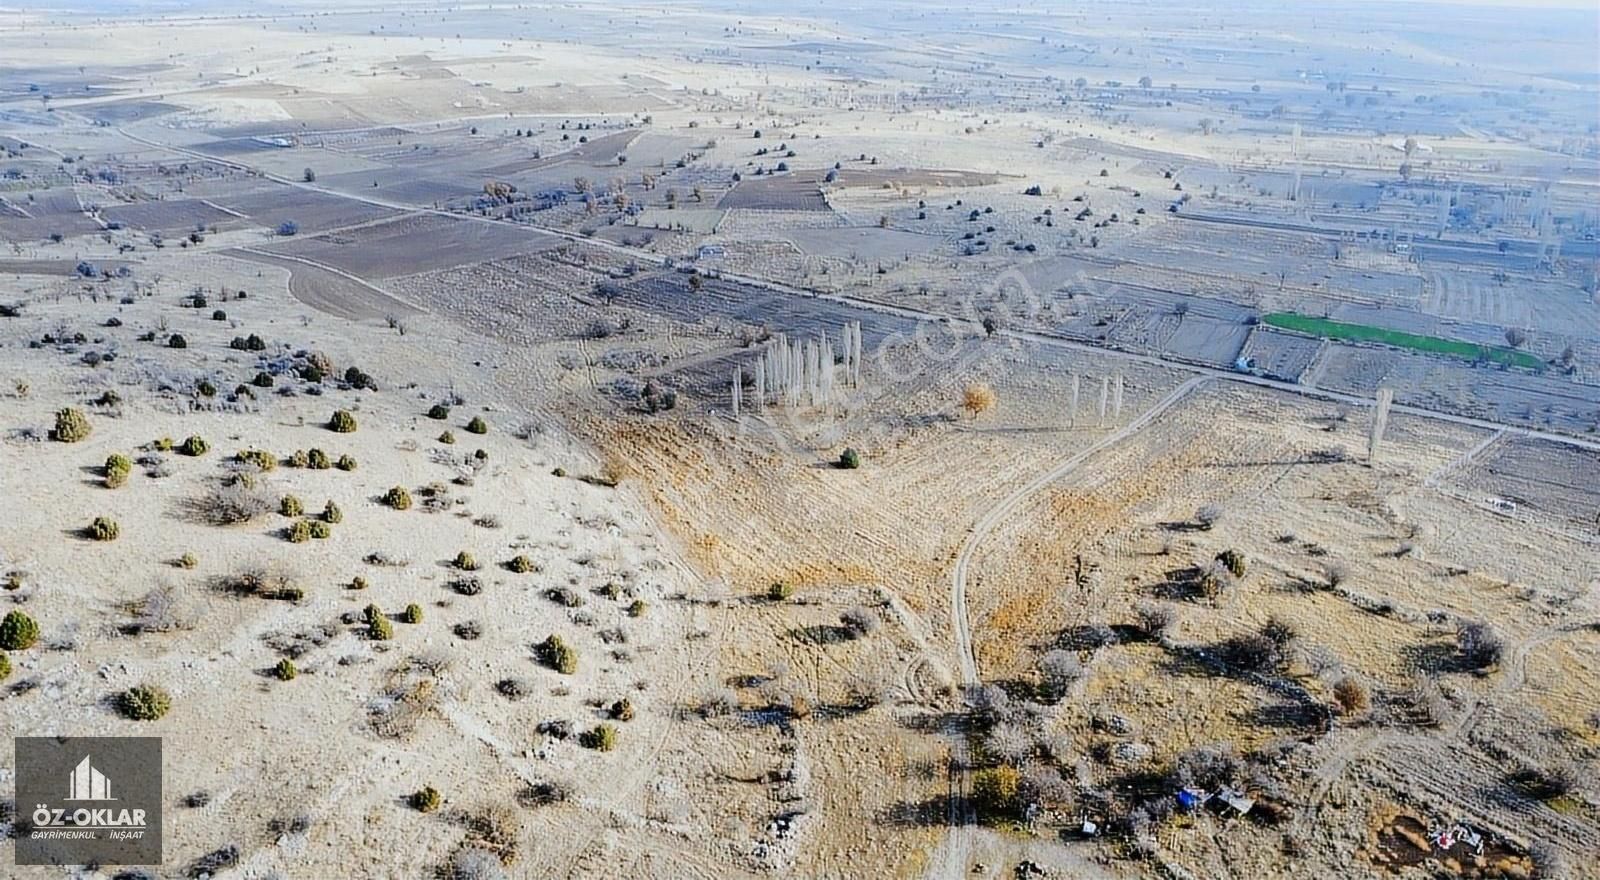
(85, 783)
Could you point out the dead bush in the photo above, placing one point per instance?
(154, 612)
(230, 504)
(1481, 646)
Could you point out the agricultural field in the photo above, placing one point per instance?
(689, 441)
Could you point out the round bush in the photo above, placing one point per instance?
(412, 614)
(398, 498)
(636, 609)
(145, 702)
(520, 564)
(477, 426)
(331, 513)
(358, 583)
(177, 341)
(622, 710)
(346, 463)
(300, 459)
(116, 469)
(319, 529)
(291, 506)
(263, 380)
(342, 422)
(448, 438)
(380, 630)
(188, 560)
(18, 632)
(104, 528)
(71, 426)
(194, 445)
(5, 667)
(850, 459)
(426, 800)
(299, 533)
(439, 411)
(558, 655)
(318, 460)
(465, 561)
(285, 670)
(779, 591)
(603, 738)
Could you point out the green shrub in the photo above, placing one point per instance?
(194, 445)
(263, 380)
(104, 528)
(342, 422)
(379, 629)
(412, 614)
(477, 426)
(18, 632)
(465, 561)
(849, 459)
(426, 800)
(5, 667)
(163, 444)
(319, 529)
(346, 462)
(1233, 561)
(448, 438)
(398, 498)
(439, 411)
(558, 655)
(299, 533)
(318, 460)
(116, 469)
(779, 591)
(636, 608)
(71, 426)
(480, 454)
(206, 389)
(285, 670)
(176, 340)
(995, 790)
(299, 459)
(188, 560)
(521, 564)
(261, 459)
(291, 506)
(603, 738)
(558, 472)
(358, 583)
(331, 513)
(145, 702)
(622, 710)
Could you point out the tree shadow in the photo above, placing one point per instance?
(820, 634)
(932, 812)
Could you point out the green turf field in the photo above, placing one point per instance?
(1429, 344)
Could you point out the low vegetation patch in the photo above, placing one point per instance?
(1426, 344)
